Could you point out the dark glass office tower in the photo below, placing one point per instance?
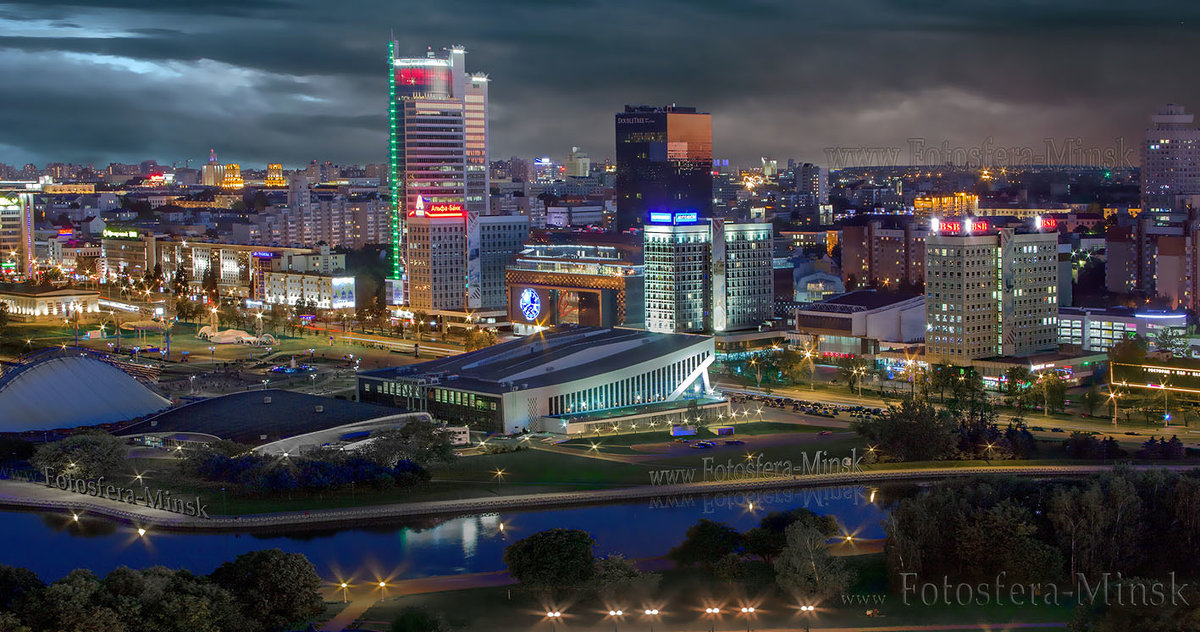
(664, 162)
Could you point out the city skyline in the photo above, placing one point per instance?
(290, 82)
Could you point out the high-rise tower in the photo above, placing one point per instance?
(439, 160)
(664, 163)
(1170, 159)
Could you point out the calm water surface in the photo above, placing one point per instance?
(52, 545)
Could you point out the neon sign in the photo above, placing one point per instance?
(530, 304)
(262, 254)
(437, 209)
(444, 210)
(681, 217)
(956, 226)
(121, 234)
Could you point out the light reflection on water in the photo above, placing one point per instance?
(52, 545)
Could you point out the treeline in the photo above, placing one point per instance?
(261, 591)
(1121, 524)
(916, 430)
(330, 471)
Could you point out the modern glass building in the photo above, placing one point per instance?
(664, 163)
(438, 150)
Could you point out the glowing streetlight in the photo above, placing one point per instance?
(141, 532)
(748, 612)
(807, 610)
(345, 592)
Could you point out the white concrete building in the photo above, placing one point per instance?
(568, 380)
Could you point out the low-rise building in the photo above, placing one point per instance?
(1100, 328)
(568, 380)
(859, 323)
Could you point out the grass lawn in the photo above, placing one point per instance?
(684, 594)
(750, 429)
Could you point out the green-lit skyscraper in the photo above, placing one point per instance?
(438, 149)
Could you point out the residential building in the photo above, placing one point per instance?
(989, 292)
(1170, 159)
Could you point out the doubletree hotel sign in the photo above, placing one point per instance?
(152, 498)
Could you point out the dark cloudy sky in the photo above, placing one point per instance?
(291, 80)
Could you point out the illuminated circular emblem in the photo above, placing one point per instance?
(530, 304)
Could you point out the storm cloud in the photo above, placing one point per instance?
(290, 81)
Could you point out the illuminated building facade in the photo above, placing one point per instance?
(1170, 159)
(16, 232)
(275, 176)
(569, 380)
(664, 163)
(596, 284)
(989, 292)
(232, 178)
(438, 151)
(887, 252)
(212, 174)
(953, 204)
(705, 275)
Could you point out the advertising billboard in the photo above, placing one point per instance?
(343, 293)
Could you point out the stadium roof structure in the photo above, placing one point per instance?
(562, 354)
(69, 388)
(257, 417)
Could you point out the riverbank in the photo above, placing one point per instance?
(39, 497)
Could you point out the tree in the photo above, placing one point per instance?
(179, 282)
(88, 455)
(705, 543)
(767, 540)
(1054, 391)
(852, 370)
(912, 431)
(805, 568)
(208, 283)
(272, 587)
(553, 560)
(1171, 340)
(420, 440)
(1091, 399)
(616, 579)
(418, 619)
(1016, 388)
(17, 585)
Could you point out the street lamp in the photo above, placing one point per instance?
(616, 617)
(713, 614)
(554, 616)
(1113, 396)
(652, 614)
(345, 592)
(807, 610)
(748, 612)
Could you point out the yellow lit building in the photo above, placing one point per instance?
(233, 177)
(954, 204)
(275, 175)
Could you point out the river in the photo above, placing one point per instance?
(52, 545)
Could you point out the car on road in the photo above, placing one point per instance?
(1037, 429)
(734, 442)
(825, 432)
(1057, 430)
